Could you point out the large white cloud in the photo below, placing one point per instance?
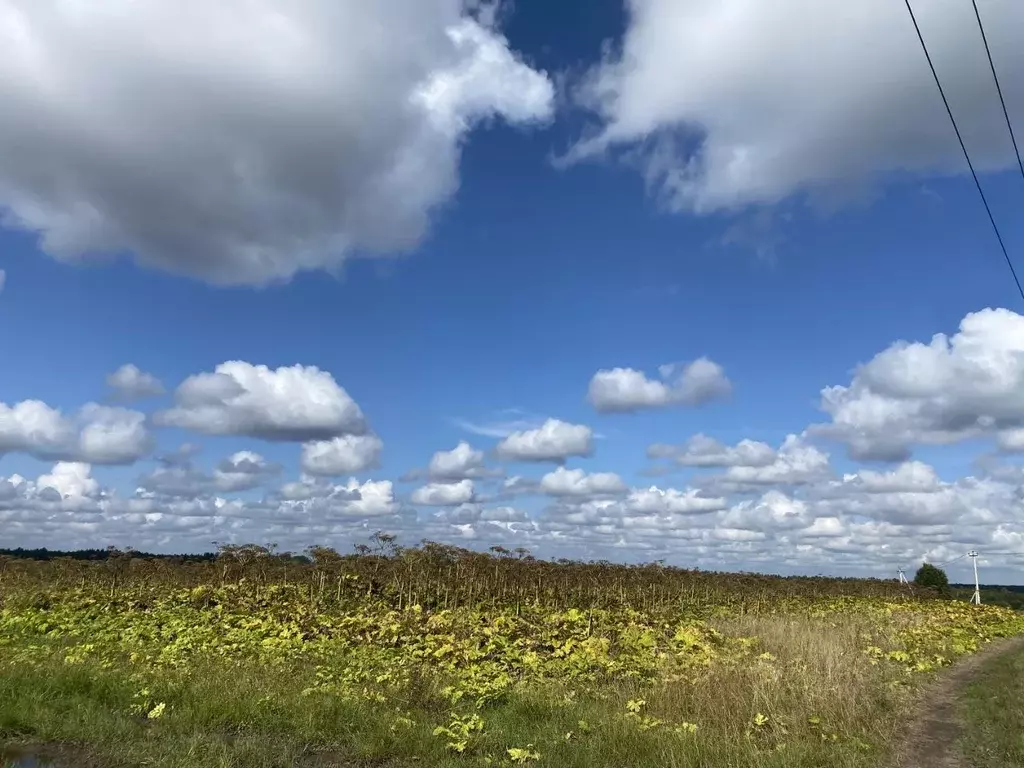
(462, 461)
(624, 390)
(951, 389)
(244, 140)
(746, 102)
(795, 463)
(70, 480)
(554, 440)
(34, 427)
(297, 403)
(444, 494)
(342, 455)
(97, 434)
(670, 501)
(577, 483)
(112, 435)
(772, 511)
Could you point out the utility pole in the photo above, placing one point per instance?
(976, 597)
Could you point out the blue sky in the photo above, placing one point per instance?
(529, 277)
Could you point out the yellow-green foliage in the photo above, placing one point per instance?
(778, 662)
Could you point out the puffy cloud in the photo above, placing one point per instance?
(34, 427)
(70, 480)
(554, 440)
(913, 495)
(342, 455)
(243, 141)
(376, 498)
(97, 434)
(703, 451)
(373, 498)
(909, 477)
(669, 501)
(947, 505)
(863, 523)
(461, 462)
(796, 463)
(577, 483)
(1011, 440)
(297, 403)
(746, 102)
(444, 494)
(624, 390)
(129, 383)
(112, 435)
(772, 511)
(951, 389)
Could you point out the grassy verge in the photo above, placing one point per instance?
(992, 707)
(809, 699)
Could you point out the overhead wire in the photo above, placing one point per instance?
(999, 87)
(963, 147)
(948, 562)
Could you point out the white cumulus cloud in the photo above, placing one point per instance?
(670, 501)
(795, 463)
(341, 455)
(950, 389)
(444, 494)
(297, 403)
(460, 462)
(624, 390)
(577, 483)
(96, 434)
(242, 141)
(554, 440)
(70, 480)
(742, 102)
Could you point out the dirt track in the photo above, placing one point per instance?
(934, 730)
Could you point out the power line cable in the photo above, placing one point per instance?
(999, 88)
(963, 147)
(943, 565)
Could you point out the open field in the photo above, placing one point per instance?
(437, 656)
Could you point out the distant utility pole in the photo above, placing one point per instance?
(902, 573)
(976, 597)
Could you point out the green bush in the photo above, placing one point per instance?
(932, 576)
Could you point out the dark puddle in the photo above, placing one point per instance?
(13, 757)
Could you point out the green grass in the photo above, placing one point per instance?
(229, 714)
(992, 707)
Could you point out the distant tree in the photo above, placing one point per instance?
(929, 575)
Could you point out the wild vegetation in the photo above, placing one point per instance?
(436, 655)
(992, 707)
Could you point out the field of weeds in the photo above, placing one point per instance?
(438, 656)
